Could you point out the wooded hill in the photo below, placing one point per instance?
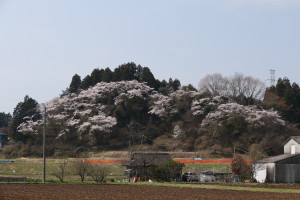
(112, 109)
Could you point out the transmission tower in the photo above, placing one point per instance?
(272, 77)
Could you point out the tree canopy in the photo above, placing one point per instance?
(110, 109)
(284, 97)
(23, 112)
(4, 119)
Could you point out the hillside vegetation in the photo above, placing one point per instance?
(127, 107)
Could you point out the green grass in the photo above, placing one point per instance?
(33, 170)
(216, 168)
(221, 187)
(22, 167)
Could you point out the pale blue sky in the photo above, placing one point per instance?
(43, 43)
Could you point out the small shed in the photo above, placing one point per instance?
(140, 163)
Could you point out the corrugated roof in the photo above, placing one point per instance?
(296, 138)
(274, 159)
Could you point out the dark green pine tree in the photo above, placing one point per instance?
(279, 89)
(96, 76)
(291, 95)
(125, 72)
(27, 108)
(176, 84)
(86, 82)
(145, 75)
(4, 119)
(107, 75)
(75, 84)
(189, 87)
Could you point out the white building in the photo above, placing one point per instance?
(284, 168)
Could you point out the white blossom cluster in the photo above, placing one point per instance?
(205, 105)
(91, 110)
(86, 111)
(183, 93)
(30, 126)
(161, 105)
(251, 114)
(117, 90)
(178, 133)
(166, 105)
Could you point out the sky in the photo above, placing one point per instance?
(43, 43)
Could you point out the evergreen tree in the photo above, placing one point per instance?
(189, 87)
(107, 75)
(291, 96)
(75, 84)
(176, 84)
(126, 72)
(279, 89)
(4, 119)
(96, 76)
(27, 108)
(86, 82)
(145, 75)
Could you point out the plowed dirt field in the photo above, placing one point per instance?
(78, 191)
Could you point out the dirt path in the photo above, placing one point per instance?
(91, 192)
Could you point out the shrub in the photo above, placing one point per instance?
(81, 169)
(60, 173)
(98, 172)
(240, 167)
(11, 151)
(168, 171)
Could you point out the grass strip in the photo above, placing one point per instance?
(221, 187)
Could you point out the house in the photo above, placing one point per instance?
(284, 168)
(140, 163)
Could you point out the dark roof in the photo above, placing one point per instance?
(275, 159)
(3, 134)
(140, 159)
(296, 138)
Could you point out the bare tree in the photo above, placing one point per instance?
(246, 86)
(239, 87)
(60, 173)
(98, 172)
(81, 169)
(214, 84)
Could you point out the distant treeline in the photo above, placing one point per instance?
(124, 72)
(285, 98)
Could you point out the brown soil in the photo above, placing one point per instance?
(78, 191)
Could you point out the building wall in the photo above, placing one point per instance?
(260, 172)
(271, 173)
(287, 173)
(287, 146)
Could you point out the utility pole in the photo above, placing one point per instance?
(233, 151)
(44, 141)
